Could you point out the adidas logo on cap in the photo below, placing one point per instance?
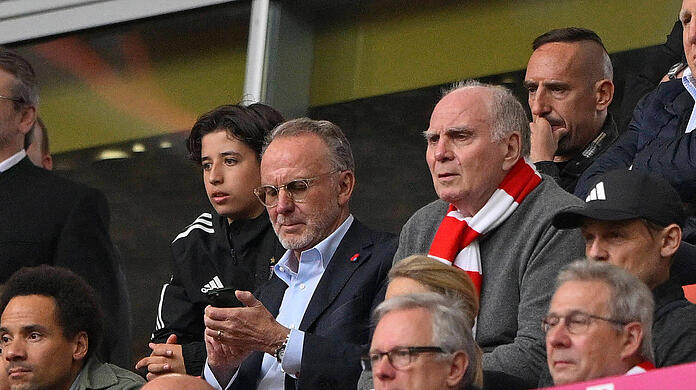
(597, 193)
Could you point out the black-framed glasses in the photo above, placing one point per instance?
(576, 322)
(296, 189)
(398, 357)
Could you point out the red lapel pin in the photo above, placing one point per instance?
(354, 258)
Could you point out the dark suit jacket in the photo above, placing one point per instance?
(46, 219)
(336, 321)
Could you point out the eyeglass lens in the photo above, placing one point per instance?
(576, 322)
(297, 189)
(398, 358)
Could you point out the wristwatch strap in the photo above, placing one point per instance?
(280, 351)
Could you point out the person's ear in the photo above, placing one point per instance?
(604, 92)
(632, 339)
(513, 149)
(47, 162)
(346, 183)
(460, 362)
(27, 118)
(80, 345)
(671, 239)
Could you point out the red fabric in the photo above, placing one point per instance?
(453, 234)
(690, 292)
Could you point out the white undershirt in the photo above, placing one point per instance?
(12, 161)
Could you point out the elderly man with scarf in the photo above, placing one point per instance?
(493, 220)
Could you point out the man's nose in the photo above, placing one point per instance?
(382, 370)
(14, 351)
(558, 336)
(595, 251)
(285, 202)
(442, 150)
(538, 103)
(215, 174)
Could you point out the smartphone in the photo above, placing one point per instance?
(223, 297)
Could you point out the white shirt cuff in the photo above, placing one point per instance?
(212, 380)
(292, 360)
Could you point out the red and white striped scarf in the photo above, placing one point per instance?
(456, 243)
(640, 368)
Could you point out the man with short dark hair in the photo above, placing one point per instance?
(51, 220)
(598, 324)
(426, 342)
(493, 220)
(633, 219)
(36, 145)
(233, 247)
(50, 329)
(307, 327)
(569, 79)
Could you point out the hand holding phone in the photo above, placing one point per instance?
(223, 297)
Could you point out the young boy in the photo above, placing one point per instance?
(233, 248)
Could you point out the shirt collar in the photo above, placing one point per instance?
(12, 161)
(75, 385)
(325, 249)
(688, 81)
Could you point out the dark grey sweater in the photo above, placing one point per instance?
(520, 260)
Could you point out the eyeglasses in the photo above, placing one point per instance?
(576, 322)
(296, 189)
(398, 357)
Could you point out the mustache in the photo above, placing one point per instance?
(553, 121)
(283, 220)
(15, 365)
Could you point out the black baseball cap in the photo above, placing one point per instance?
(623, 194)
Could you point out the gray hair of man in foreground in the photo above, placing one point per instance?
(630, 300)
(449, 325)
(340, 152)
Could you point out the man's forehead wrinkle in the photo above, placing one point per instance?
(571, 58)
(464, 116)
(288, 167)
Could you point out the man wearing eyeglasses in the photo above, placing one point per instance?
(47, 219)
(598, 324)
(306, 329)
(633, 219)
(421, 341)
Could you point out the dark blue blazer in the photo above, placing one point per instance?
(337, 318)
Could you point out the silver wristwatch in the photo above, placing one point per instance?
(280, 351)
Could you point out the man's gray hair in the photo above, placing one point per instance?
(506, 112)
(630, 299)
(339, 149)
(449, 325)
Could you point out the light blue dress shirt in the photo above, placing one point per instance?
(301, 285)
(688, 81)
